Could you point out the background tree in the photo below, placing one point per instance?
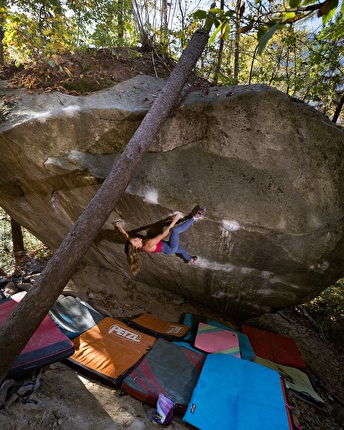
(18, 242)
(2, 34)
(9, 244)
(142, 25)
(3, 9)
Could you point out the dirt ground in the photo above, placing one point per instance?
(86, 72)
(67, 400)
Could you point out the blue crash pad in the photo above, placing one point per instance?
(236, 394)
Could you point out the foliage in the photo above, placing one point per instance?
(294, 59)
(267, 17)
(251, 41)
(304, 65)
(323, 77)
(31, 243)
(328, 311)
(38, 31)
(36, 34)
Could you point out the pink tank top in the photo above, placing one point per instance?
(157, 249)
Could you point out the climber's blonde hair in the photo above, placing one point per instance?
(133, 257)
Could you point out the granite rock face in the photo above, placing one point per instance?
(268, 168)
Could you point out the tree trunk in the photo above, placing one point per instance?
(3, 6)
(18, 242)
(220, 53)
(238, 12)
(219, 62)
(2, 35)
(30, 312)
(338, 109)
(146, 43)
(120, 21)
(164, 27)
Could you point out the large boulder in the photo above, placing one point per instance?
(268, 167)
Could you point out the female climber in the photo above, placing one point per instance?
(135, 245)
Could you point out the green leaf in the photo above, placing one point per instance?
(226, 31)
(292, 17)
(267, 36)
(294, 3)
(229, 14)
(200, 14)
(261, 31)
(332, 10)
(216, 10)
(216, 32)
(216, 22)
(326, 18)
(289, 15)
(209, 22)
(327, 10)
(339, 31)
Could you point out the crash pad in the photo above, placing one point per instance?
(158, 327)
(46, 346)
(109, 350)
(213, 339)
(295, 379)
(73, 315)
(192, 320)
(274, 347)
(167, 369)
(233, 394)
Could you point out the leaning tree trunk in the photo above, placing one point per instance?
(30, 312)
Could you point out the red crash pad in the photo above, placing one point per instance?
(274, 347)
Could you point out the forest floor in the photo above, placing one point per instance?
(67, 400)
(85, 72)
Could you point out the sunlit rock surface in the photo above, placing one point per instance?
(268, 168)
